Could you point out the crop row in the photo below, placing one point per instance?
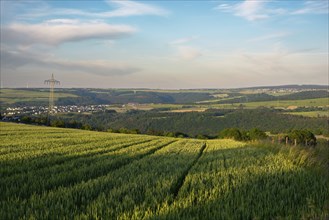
(247, 183)
(137, 172)
(89, 175)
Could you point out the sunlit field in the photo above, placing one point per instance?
(73, 174)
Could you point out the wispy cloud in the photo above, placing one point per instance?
(313, 7)
(250, 10)
(13, 59)
(131, 8)
(188, 52)
(118, 9)
(253, 10)
(272, 36)
(184, 50)
(54, 32)
(282, 60)
(280, 65)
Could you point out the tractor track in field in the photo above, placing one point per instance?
(59, 159)
(105, 172)
(178, 185)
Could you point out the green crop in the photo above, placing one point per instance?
(54, 173)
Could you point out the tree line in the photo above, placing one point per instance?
(293, 137)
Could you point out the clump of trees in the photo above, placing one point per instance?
(299, 137)
(167, 133)
(295, 137)
(34, 120)
(243, 135)
(124, 131)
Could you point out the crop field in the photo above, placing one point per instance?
(54, 173)
(311, 114)
(318, 102)
(11, 96)
(286, 103)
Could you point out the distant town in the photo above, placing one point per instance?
(39, 110)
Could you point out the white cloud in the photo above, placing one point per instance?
(122, 8)
(253, 10)
(313, 7)
(62, 21)
(130, 8)
(250, 10)
(188, 53)
(55, 32)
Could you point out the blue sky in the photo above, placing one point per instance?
(164, 44)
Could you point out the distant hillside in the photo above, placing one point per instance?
(130, 96)
(291, 87)
(260, 97)
(194, 123)
(84, 96)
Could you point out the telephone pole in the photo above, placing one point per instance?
(51, 82)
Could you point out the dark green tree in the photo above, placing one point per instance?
(257, 134)
(232, 133)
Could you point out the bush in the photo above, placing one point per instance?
(202, 136)
(232, 133)
(303, 137)
(257, 134)
(240, 135)
(57, 123)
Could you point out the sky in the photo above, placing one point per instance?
(164, 44)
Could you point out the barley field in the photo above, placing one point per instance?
(55, 173)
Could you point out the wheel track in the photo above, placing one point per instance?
(178, 185)
(100, 174)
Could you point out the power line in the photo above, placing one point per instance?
(51, 82)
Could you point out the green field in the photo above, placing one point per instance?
(311, 114)
(11, 96)
(53, 173)
(319, 102)
(286, 103)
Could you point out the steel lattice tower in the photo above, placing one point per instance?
(51, 82)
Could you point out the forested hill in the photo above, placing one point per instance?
(84, 96)
(122, 97)
(206, 123)
(131, 96)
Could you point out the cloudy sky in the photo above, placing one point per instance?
(164, 44)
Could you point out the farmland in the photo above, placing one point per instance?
(11, 96)
(65, 173)
(311, 114)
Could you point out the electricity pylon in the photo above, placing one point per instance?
(51, 82)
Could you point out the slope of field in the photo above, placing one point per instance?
(12, 96)
(312, 114)
(52, 173)
(318, 102)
